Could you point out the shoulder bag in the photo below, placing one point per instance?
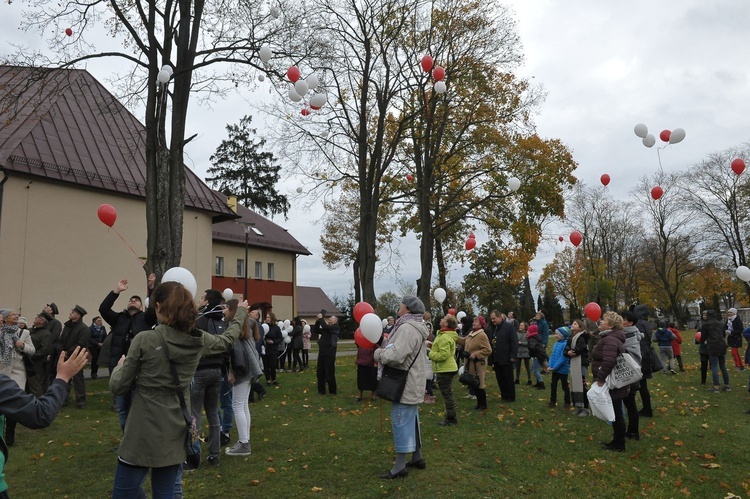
(391, 385)
(626, 372)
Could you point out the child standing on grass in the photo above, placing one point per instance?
(537, 351)
(560, 366)
(664, 338)
(523, 354)
(676, 346)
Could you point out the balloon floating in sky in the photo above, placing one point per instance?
(471, 243)
(293, 73)
(576, 238)
(743, 273)
(649, 140)
(657, 192)
(261, 77)
(677, 135)
(605, 180)
(265, 53)
(641, 130)
(305, 112)
(299, 190)
(593, 311)
(664, 135)
(561, 239)
(275, 12)
(427, 63)
(514, 184)
(410, 177)
(227, 294)
(438, 73)
(440, 87)
(738, 166)
(472, 236)
(439, 294)
(68, 31)
(107, 214)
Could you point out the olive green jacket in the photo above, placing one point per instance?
(155, 429)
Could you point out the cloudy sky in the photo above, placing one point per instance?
(605, 66)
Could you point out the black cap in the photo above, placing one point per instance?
(44, 315)
(54, 308)
(80, 310)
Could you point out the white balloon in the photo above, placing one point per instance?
(284, 333)
(299, 190)
(649, 140)
(677, 135)
(300, 86)
(319, 100)
(460, 315)
(371, 327)
(289, 329)
(324, 134)
(294, 96)
(312, 81)
(287, 339)
(163, 76)
(439, 294)
(514, 184)
(385, 323)
(306, 329)
(743, 273)
(168, 69)
(266, 328)
(146, 302)
(280, 324)
(228, 294)
(261, 77)
(440, 87)
(287, 323)
(641, 130)
(265, 53)
(184, 277)
(275, 12)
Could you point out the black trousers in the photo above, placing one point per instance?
(505, 381)
(327, 373)
(632, 409)
(645, 395)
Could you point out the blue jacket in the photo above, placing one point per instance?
(543, 326)
(558, 362)
(664, 337)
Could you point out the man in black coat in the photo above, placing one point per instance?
(647, 353)
(504, 340)
(55, 328)
(328, 337)
(76, 334)
(124, 325)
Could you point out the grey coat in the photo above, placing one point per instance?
(400, 351)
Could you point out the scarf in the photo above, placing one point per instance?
(401, 320)
(7, 345)
(576, 376)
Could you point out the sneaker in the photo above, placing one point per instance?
(672, 371)
(224, 439)
(529, 383)
(213, 460)
(714, 389)
(238, 449)
(448, 422)
(584, 413)
(612, 447)
(726, 388)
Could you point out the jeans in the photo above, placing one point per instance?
(204, 393)
(718, 362)
(632, 409)
(645, 396)
(405, 424)
(269, 366)
(240, 394)
(704, 368)
(297, 359)
(227, 414)
(618, 427)
(129, 481)
(306, 357)
(536, 367)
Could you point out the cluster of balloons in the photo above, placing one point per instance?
(738, 166)
(107, 214)
(438, 73)
(286, 328)
(370, 326)
(299, 87)
(743, 273)
(471, 242)
(670, 137)
(593, 311)
(165, 74)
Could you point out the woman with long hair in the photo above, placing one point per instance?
(154, 437)
(296, 344)
(15, 343)
(244, 369)
(272, 340)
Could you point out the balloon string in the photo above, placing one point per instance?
(658, 155)
(140, 260)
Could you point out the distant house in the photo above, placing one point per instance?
(68, 146)
(311, 301)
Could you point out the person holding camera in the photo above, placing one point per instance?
(476, 350)
(328, 339)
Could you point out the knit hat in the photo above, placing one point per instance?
(5, 312)
(532, 330)
(413, 304)
(564, 331)
(23, 320)
(482, 321)
(732, 311)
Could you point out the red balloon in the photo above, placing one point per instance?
(698, 337)
(593, 311)
(470, 244)
(438, 73)
(561, 239)
(410, 177)
(452, 311)
(576, 238)
(605, 180)
(664, 135)
(107, 214)
(472, 236)
(362, 308)
(427, 63)
(305, 112)
(293, 73)
(738, 166)
(314, 108)
(68, 31)
(361, 341)
(657, 192)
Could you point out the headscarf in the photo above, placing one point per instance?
(7, 345)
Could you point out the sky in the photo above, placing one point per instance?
(605, 66)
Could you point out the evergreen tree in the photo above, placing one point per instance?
(241, 168)
(526, 300)
(554, 313)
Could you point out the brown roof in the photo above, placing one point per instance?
(63, 125)
(311, 300)
(273, 236)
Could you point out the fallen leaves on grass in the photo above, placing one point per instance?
(317, 489)
(711, 466)
(271, 470)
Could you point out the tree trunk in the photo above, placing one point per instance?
(357, 284)
(442, 271)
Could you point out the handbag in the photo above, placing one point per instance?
(28, 365)
(626, 372)
(192, 437)
(391, 385)
(656, 363)
(469, 379)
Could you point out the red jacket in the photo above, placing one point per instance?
(676, 348)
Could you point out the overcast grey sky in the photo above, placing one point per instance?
(605, 66)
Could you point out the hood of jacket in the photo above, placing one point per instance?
(641, 312)
(180, 346)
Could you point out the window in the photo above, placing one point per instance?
(219, 265)
(271, 273)
(240, 267)
(259, 270)
(257, 232)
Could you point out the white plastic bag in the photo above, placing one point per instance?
(601, 403)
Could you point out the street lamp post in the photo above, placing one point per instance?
(247, 234)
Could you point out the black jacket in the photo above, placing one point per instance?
(296, 335)
(123, 327)
(712, 334)
(274, 334)
(735, 337)
(74, 334)
(328, 337)
(213, 323)
(504, 340)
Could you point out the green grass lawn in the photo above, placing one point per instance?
(307, 445)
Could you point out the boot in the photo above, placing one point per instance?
(481, 399)
(540, 386)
